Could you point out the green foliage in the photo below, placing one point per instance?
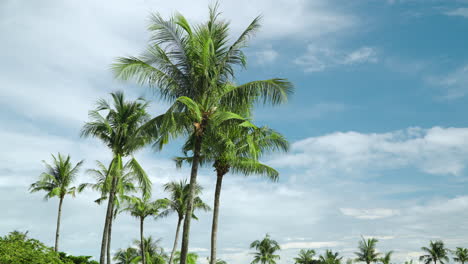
(265, 251)
(76, 260)
(330, 258)
(191, 258)
(178, 199)
(306, 256)
(461, 255)
(17, 248)
(57, 178)
(436, 252)
(386, 259)
(367, 252)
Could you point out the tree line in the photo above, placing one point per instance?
(192, 67)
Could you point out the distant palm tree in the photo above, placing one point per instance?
(436, 252)
(306, 256)
(367, 252)
(125, 185)
(178, 193)
(124, 130)
(386, 259)
(330, 258)
(266, 249)
(56, 182)
(141, 208)
(461, 255)
(191, 258)
(154, 253)
(126, 256)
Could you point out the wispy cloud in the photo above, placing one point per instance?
(370, 214)
(462, 11)
(454, 84)
(266, 55)
(318, 59)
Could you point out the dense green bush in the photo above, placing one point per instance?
(17, 248)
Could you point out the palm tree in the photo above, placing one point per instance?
(56, 182)
(461, 255)
(125, 185)
(154, 254)
(330, 258)
(435, 252)
(386, 258)
(306, 256)
(122, 129)
(142, 208)
(236, 149)
(367, 252)
(193, 68)
(191, 258)
(266, 249)
(178, 193)
(126, 256)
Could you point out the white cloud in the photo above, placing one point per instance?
(436, 151)
(312, 244)
(369, 214)
(318, 59)
(266, 56)
(462, 11)
(455, 84)
(362, 55)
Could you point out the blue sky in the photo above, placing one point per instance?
(377, 123)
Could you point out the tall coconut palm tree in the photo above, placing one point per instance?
(56, 181)
(127, 256)
(123, 130)
(386, 259)
(266, 249)
(125, 185)
(306, 256)
(178, 193)
(141, 208)
(436, 252)
(367, 252)
(236, 149)
(330, 258)
(193, 68)
(461, 255)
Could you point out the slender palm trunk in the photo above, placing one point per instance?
(57, 231)
(109, 236)
(214, 226)
(105, 234)
(188, 213)
(176, 239)
(142, 242)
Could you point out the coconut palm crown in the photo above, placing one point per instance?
(56, 181)
(436, 252)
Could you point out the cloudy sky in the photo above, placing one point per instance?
(378, 123)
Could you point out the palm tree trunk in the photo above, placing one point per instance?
(142, 242)
(175, 239)
(57, 232)
(188, 213)
(105, 234)
(109, 236)
(214, 226)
